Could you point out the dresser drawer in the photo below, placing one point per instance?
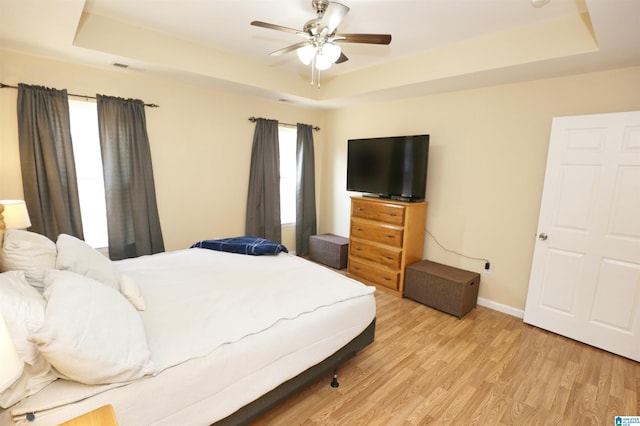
(382, 255)
(382, 212)
(374, 275)
(378, 232)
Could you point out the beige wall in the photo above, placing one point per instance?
(200, 142)
(486, 166)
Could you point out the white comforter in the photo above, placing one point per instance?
(202, 299)
(198, 300)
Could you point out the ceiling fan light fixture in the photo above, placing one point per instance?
(306, 53)
(322, 63)
(332, 51)
(327, 55)
(319, 50)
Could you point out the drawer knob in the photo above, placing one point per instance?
(391, 236)
(389, 257)
(359, 229)
(358, 248)
(387, 279)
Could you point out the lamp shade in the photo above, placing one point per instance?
(15, 214)
(10, 364)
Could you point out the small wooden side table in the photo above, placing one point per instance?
(102, 416)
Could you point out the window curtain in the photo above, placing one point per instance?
(46, 158)
(263, 199)
(305, 189)
(132, 211)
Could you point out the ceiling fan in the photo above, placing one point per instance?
(320, 36)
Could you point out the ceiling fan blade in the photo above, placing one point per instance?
(333, 16)
(289, 48)
(364, 38)
(342, 58)
(275, 27)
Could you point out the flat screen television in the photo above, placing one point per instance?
(389, 167)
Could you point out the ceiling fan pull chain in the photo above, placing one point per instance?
(313, 67)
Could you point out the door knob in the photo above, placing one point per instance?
(542, 236)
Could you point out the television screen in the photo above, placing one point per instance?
(389, 167)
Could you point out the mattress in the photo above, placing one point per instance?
(203, 379)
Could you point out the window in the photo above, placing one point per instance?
(88, 161)
(287, 137)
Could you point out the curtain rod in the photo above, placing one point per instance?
(2, 86)
(253, 120)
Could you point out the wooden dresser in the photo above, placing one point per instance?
(385, 237)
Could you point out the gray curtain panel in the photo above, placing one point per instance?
(305, 189)
(46, 158)
(132, 211)
(263, 199)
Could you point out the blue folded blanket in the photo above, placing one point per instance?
(243, 245)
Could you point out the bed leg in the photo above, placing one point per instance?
(334, 381)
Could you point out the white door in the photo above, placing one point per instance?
(585, 276)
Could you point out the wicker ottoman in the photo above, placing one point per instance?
(329, 249)
(451, 290)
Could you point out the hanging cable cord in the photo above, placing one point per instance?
(487, 264)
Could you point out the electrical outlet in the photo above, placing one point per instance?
(487, 268)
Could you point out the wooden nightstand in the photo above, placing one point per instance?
(103, 416)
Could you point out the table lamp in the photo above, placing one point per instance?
(15, 214)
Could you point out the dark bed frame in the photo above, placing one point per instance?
(255, 409)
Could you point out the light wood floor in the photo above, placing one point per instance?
(427, 367)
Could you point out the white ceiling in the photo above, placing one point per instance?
(437, 45)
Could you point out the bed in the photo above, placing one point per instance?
(209, 336)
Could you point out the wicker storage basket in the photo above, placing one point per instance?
(449, 289)
(329, 249)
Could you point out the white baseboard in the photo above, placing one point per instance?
(519, 313)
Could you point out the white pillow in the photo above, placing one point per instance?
(91, 334)
(77, 256)
(23, 310)
(130, 289)
(29, 252)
